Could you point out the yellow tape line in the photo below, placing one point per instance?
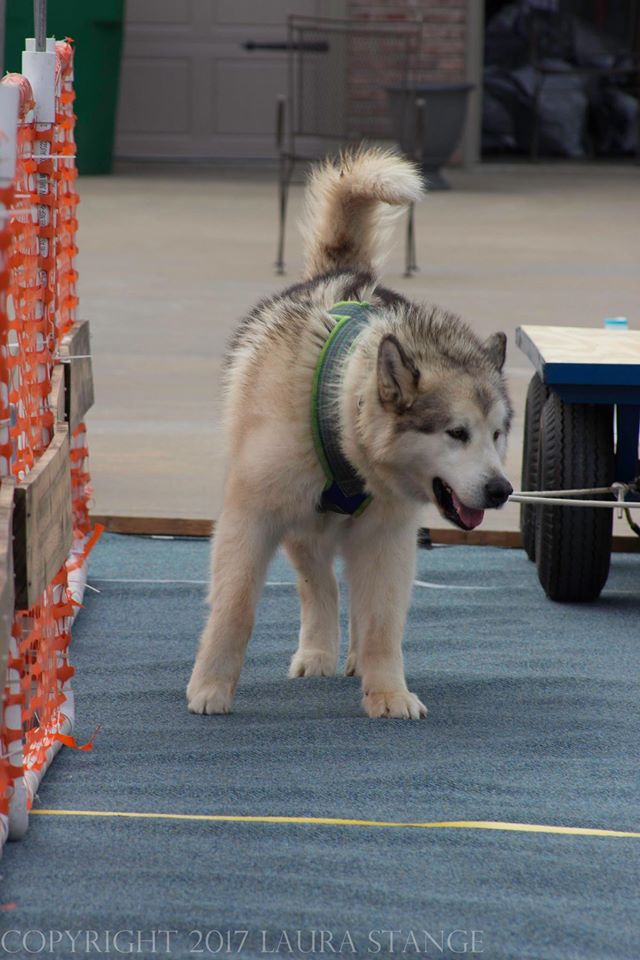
(339, 822)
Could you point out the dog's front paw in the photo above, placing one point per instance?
(313, 663)
(394, 703)
(209, 696)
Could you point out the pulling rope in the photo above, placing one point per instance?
(549, 500)
(563, 498)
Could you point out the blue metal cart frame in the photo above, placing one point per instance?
(578, 371)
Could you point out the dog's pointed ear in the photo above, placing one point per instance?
(496, 349)
(398, 376)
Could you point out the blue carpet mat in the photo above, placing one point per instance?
(533, 718)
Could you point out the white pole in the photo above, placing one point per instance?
(18, 810)
(9, 104)
(39, 67)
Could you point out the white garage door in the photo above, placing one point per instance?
(190, 88)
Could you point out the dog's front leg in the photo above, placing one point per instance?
(312, 557)
(243, 546)
(380, 559)
(351, 667)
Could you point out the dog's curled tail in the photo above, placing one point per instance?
(345, 212)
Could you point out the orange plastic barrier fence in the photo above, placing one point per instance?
(38, 304)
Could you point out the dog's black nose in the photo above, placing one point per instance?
(497, 492)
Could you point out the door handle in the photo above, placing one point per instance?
(316, 46)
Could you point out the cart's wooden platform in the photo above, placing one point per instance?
(585, 365)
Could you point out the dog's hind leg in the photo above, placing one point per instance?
(243, 545)
(312, 557)
(380, 560)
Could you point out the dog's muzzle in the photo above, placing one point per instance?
(453, 509)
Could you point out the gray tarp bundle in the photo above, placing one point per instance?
(576, 111)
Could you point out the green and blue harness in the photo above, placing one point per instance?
(344, 490)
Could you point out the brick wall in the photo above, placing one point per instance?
(441, 57)
(443, 50)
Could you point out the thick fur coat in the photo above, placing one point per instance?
(424, 416)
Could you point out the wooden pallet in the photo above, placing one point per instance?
(6, 569)
(75, 353)
(57, 394)
(42, 521)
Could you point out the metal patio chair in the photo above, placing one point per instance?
(329, 104)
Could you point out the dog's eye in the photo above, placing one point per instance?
(496, 436)
(459, 433)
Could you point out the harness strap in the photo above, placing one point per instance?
(344, 490)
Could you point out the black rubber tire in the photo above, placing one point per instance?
(573, 544)
(536, 397)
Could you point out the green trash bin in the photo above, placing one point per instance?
(96, 27)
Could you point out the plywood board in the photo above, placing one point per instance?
(579, 355)
(181, 527)
(6, 571)
(75, 352)
(43, 521)
(584, 345)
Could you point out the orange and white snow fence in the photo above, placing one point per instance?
(45, 390)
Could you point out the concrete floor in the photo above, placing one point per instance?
(172, 257)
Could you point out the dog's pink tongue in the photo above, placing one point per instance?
(470, 518)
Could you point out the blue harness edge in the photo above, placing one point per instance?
(344, 491)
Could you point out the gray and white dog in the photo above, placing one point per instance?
(417, 412)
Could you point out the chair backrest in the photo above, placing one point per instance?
(338, 74)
